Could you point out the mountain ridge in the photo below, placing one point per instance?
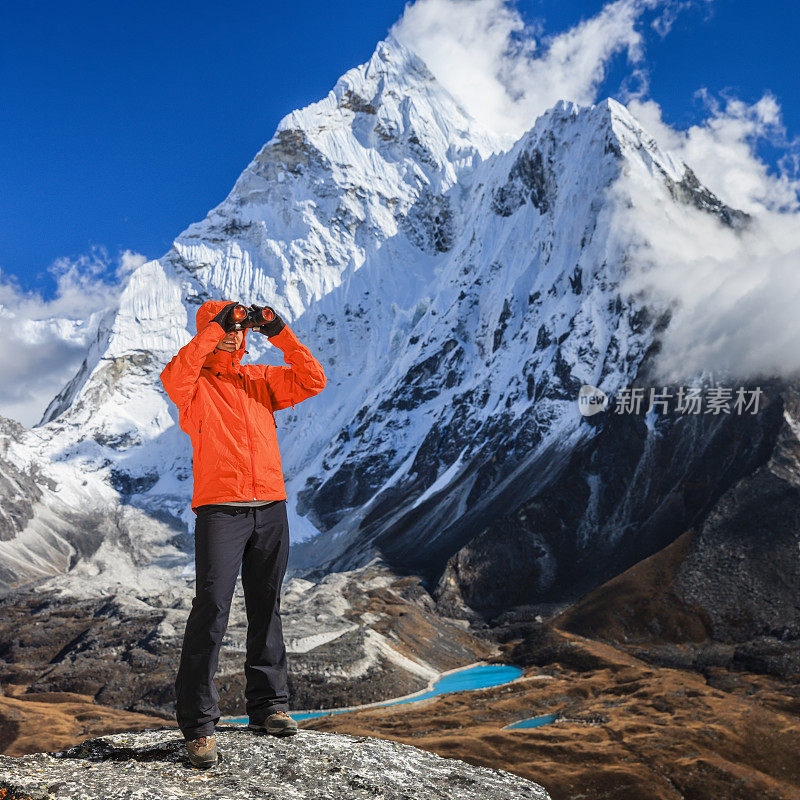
(457, 293)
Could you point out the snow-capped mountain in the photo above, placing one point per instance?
(457, 295)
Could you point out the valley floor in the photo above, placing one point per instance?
(625, 728)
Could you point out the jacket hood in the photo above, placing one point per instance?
(219, 359)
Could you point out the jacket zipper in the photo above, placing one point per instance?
(249, 446)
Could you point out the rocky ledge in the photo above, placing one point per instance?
(154, 764)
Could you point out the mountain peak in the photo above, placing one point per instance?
(396, 87)
(392, 60)
(611, 128)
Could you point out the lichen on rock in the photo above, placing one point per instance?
(153, 764)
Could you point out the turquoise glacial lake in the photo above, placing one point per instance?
(533, 722)
(480, 677)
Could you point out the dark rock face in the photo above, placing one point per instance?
(127, 484)
(620, 497)
(727, 591)
(429, 223)
(690, 190)
(292, 150)
(530, 180)
(104, 648)
(311, 764)
(356, 103)
(743, 567)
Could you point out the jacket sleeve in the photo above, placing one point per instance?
(301, 379)
(180, 376)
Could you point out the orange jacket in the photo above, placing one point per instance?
(227, 409)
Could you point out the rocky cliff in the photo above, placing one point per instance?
(313, 765)
(725, 593)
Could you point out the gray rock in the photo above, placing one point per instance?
(153, 764)
(352, 638)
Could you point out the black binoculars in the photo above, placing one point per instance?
(253, 317)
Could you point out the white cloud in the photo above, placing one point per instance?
(734, 294)
(506, 73)
(664, 22)
(42, 342)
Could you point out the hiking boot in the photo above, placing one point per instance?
(203, 752)
(278, 724)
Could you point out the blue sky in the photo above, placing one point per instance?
(120, 124)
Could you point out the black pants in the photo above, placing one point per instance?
(225, 538)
